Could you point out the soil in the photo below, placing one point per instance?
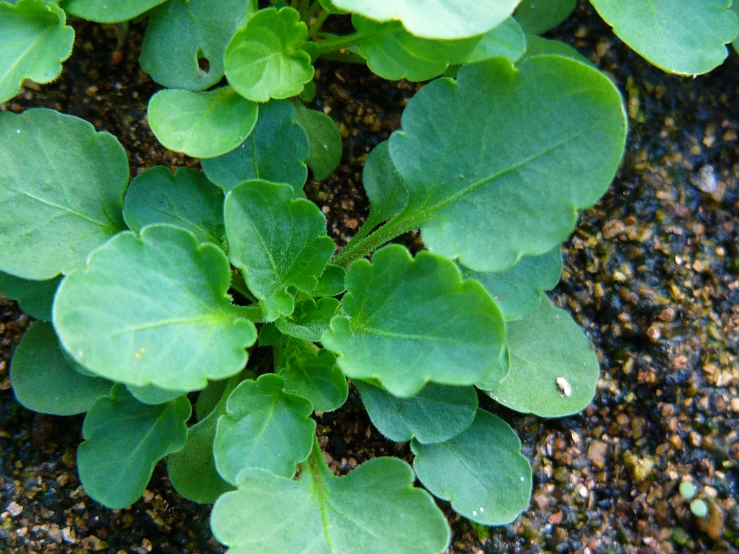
(651, 273)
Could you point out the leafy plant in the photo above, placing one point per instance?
(217, 299)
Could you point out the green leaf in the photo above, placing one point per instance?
(124, 439)
(184, 199)
(519, 290)
(278, 241)
(410, 321)
(329, 6)
(436, 19)
(331, 282)
(317, 378)
(506, 180)
(324, 139)
(310, 319)
(537, 46)
(496, 373)
(107, 11)
(263, 428)
(35, 41)
(265, 60)
(201, 124)
(209, 397)
(384, 186)
(539, 16)
(679, 36)
(153, 395)
(436, 414)
(553, 369)
(373, 510)
(154, 310)
(735, 9)
(480, 471)
(181, 34)
(44, 380)
(61, 192)
(34, 297)
(275, 151)
(506, 40)
(393, 53)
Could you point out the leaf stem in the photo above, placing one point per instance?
(360, 248)
(318, 23)
(339, 43)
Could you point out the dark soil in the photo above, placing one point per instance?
(651, 273)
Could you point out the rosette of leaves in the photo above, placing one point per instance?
(158, 291)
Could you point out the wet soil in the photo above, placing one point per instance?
(651, 273)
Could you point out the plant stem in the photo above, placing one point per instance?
(339, 43)
(313, 11)
(316, 26)
(360, 248)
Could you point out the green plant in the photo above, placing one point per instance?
(224, 283)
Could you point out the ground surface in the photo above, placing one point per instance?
(652, 274)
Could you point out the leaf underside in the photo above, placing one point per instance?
(34, 297)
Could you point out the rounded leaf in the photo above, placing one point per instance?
(154, 310)
(109, 11)
(317, 378)
(201, 124)
(34, 297)
(410, 321)
(537, 17)
(325, 141)
(61, 192)
(507, 40)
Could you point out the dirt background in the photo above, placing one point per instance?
(651, 273)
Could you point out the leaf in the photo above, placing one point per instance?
(317, 378)
(436, 19)
(506, 180)
(61, 192)
(278, 241)
(45, 381)
(154, 395)
(373, 510)
(519, 290)
(410, 321)
(480, 471)
(180, 35)
(35, 41)
(124, 439)
(537, 46)
(679, 36)
(436, 414)
(201, 124)
(209, 397)
(154, 310)
(263, 428)
(735, 9)
(496, 373)
(384, 186)
(109, 11)
(546, 347)
(310, 319)
(184, 199)
(275, 151)
(393, 53)
(265, 60)
(34, 297)
(507, 40)
(331, 282)
(537, 17)
(324, 139)
(328, 5)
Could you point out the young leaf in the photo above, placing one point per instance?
(436, 19)
(275, 151)
(34, 297)
(436, 414)
(679, 36)
(201, 124)
(154, 310)
(61, 192)
(384, 186)
(518, 290)
(373, 510)
(537, 46)
(278, 241)
(35, 40)
(184, 199)
(507, 179)
(410, 321)
(507, 40)
(331, 282)
(553, 369)
(325, 141)
(265, 60)
(310, 319)
(537, 17)
(124, 439)
(317, 378)
(44, 380)
(480, 471)
(107, 11)
(264, 428)
(153, 395)
(182, 36)
(393, 53)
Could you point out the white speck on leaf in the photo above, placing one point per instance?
(564, 386)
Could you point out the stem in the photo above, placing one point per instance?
(239, 285)
(303, 8)
(314, 9)
(360, 248)
(316, 26)
(339, 43)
